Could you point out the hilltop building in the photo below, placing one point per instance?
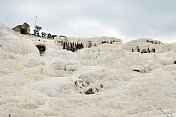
(23, 29)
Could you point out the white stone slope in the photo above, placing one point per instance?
(92, 82)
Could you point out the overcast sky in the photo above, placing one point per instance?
(125, 19)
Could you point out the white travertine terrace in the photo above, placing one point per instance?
(102, 80)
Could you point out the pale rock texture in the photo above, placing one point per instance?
(106, 80)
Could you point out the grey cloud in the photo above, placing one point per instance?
(133, 18)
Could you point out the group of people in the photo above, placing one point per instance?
(144, 50)
(74, 46)
(71, 46)
(108, 42)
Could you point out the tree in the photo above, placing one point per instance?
(49, 35)
(36, 30)
(53, 36)
(43, 34)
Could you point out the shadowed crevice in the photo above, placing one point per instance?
(41, 49)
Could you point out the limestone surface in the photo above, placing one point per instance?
(105, 78)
